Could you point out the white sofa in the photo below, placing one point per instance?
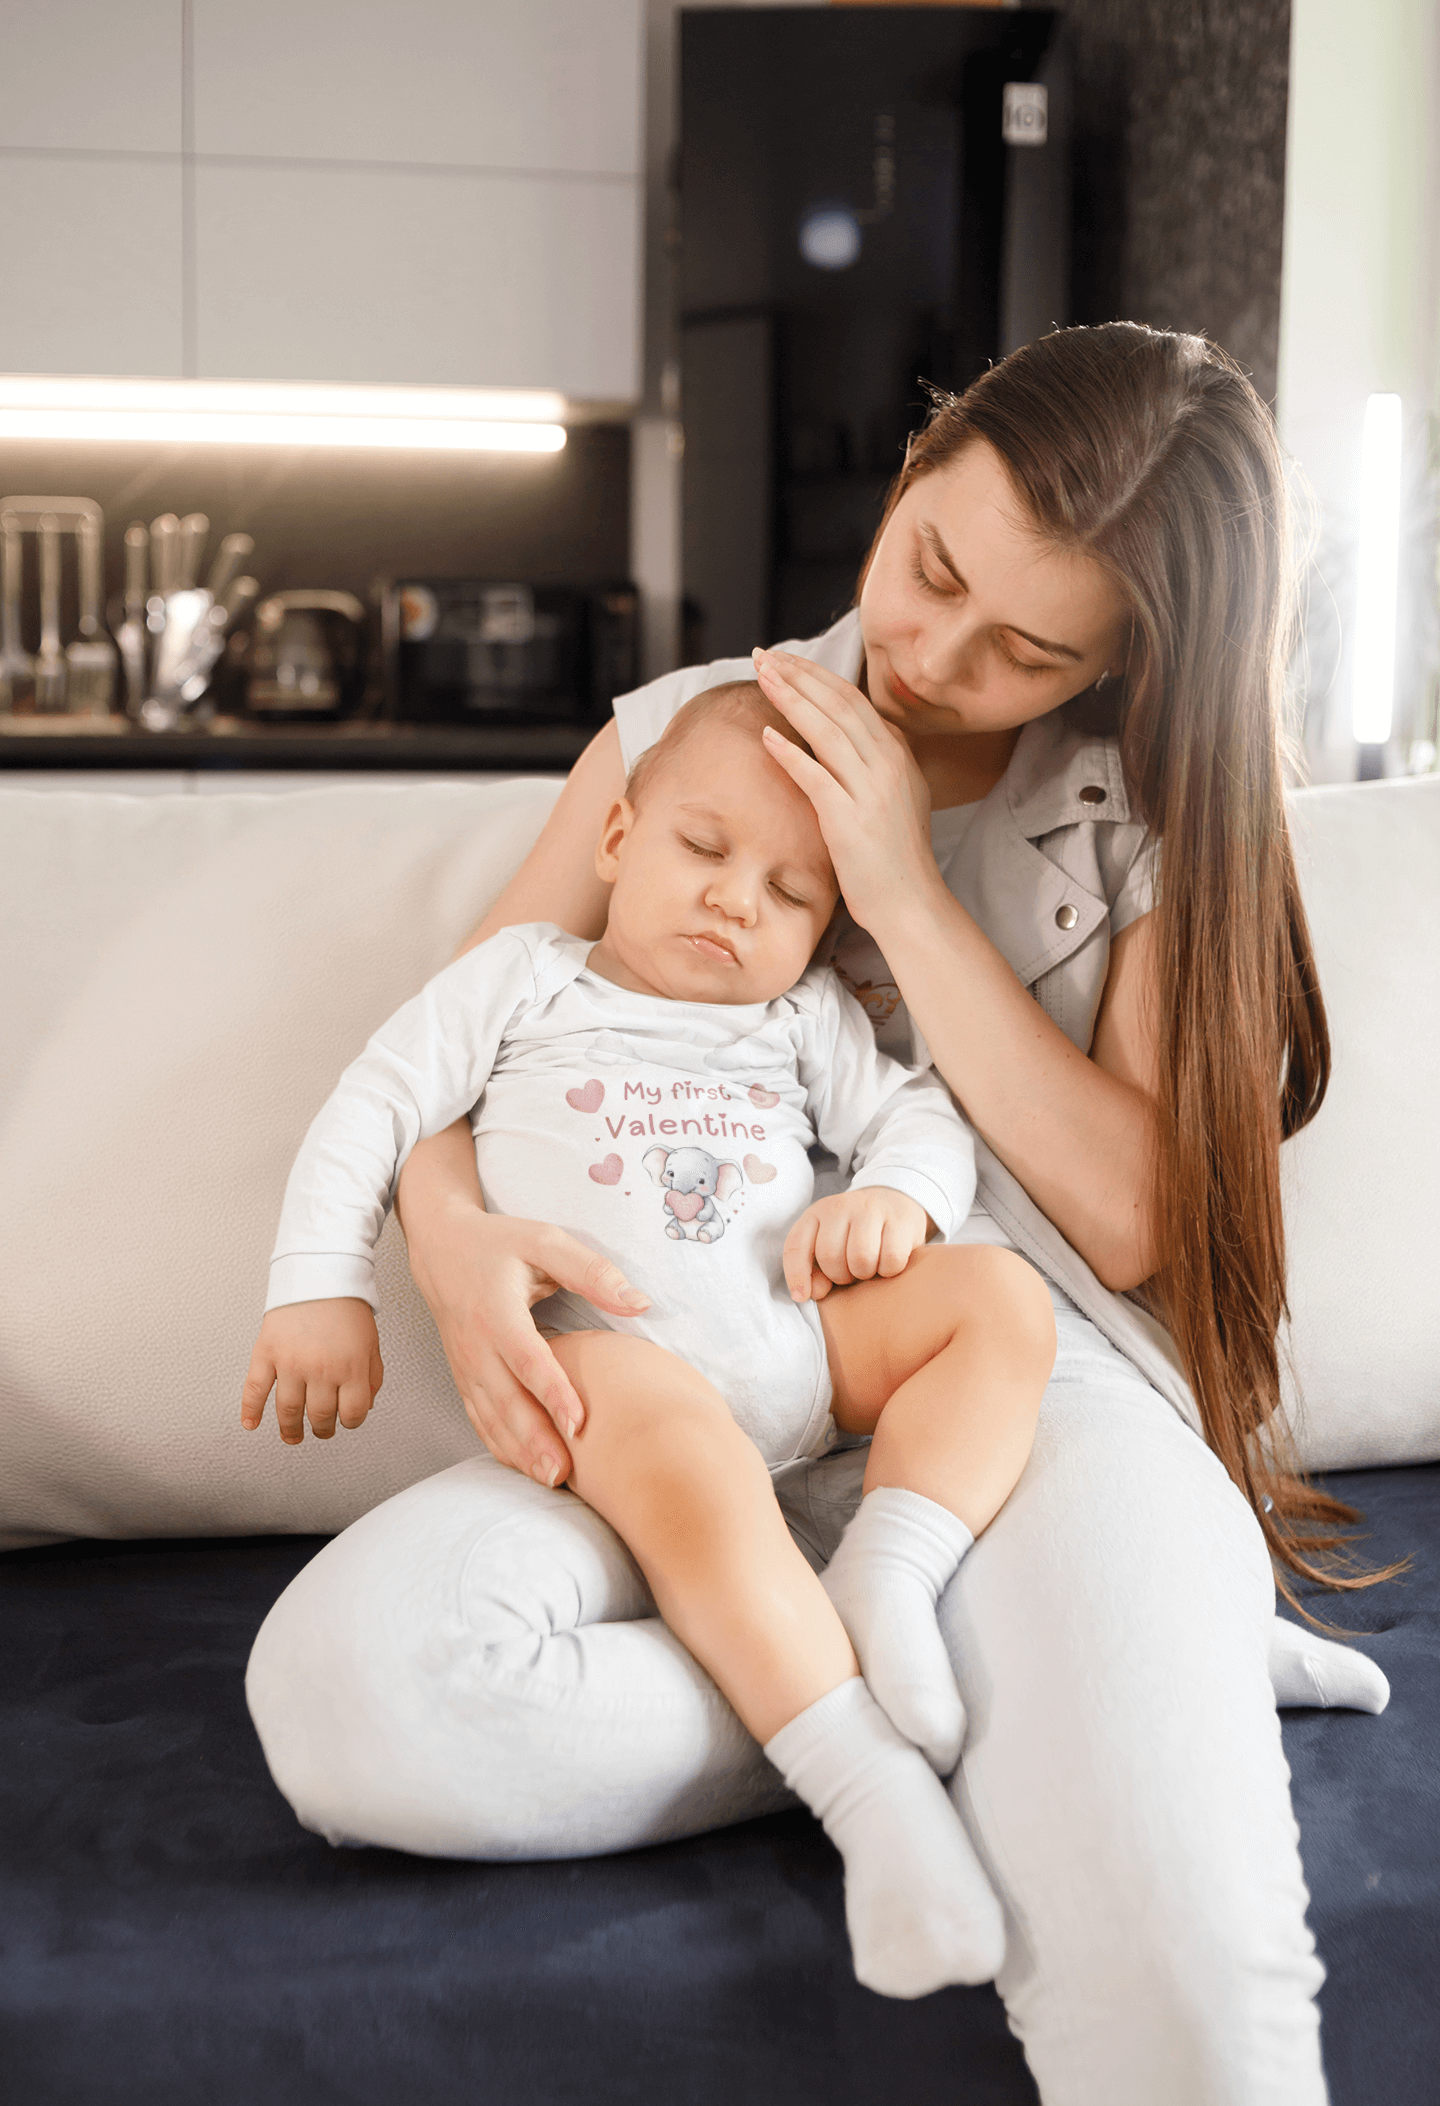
(184, 977)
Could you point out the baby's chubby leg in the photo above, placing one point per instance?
(945, 1363)
(661, 1459)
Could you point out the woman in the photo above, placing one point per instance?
(1047, 766)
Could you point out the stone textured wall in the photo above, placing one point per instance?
(1180, 167)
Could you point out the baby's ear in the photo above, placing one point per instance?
(730, 1178)
(654, 1161)
(618, 822)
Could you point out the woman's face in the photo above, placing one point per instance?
(972, 622)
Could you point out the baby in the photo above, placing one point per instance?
(658, 1094)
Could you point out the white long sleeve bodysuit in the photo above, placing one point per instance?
(672, 1136)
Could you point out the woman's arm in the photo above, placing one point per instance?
(481, 1276)
(1077, 1132)
(557, 880)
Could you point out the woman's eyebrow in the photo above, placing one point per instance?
(943, 556)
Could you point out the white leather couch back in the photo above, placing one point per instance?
(183, 979)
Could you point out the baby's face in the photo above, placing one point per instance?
(722, 885)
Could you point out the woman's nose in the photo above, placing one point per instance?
(948, 651)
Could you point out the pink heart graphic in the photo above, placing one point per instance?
(758, 1173)
(611, 1170)
(684, 1205)
(765, 1099)
(588, 1099)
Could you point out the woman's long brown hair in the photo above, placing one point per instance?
(1151, 453)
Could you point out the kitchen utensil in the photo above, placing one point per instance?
(17, 671)
(132, 630)
(186, 611)
(163, 534)
(307, 656)
(193, 640)
(50, 659)
(233, 551)
(190, 542)
(67, 512)
(240, 599)
(91, 657)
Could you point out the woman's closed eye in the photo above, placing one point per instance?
(928, 584)
(946, 590)
(1021, 665)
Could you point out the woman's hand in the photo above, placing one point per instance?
(481, 1275)
(869, 796)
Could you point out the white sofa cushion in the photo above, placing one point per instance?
(1362, 1183)
(184, 978)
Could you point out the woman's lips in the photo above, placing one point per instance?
(712, 947)
(905, 694)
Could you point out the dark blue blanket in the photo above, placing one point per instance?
(170, 1936)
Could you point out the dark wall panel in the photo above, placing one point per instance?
(1180, 167)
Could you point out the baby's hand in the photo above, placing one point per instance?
(852, 1236)
(323, 1361)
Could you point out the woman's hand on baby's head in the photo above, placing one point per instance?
(858, 1235)
(322, 1359)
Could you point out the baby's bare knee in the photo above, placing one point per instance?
(639, 1398)
(1005, 1293)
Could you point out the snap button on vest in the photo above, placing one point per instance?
(1066, 916)
(1092, 794)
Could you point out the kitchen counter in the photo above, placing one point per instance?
(233, 743)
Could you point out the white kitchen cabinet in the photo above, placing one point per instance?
(101, 79)
(90, 264)
(545, 85)
(393, 275)
(441, 191)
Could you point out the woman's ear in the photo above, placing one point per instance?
(618, 822)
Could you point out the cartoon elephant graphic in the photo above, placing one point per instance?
(693, 1180)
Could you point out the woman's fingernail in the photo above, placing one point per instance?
(632, 1298)
(548, 1474)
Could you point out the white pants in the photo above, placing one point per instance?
(476, 1669)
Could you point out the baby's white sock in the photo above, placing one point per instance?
(918, 1906)
(894, 1562)
(1308, 1669)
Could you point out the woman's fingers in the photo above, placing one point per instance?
(844, 755)
(824, 790)
(513, 1426)
(838, 698)
(566, 1262)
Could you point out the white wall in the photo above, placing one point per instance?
(1360, 292)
